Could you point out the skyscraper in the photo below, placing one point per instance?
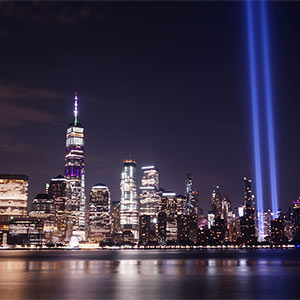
(74, 172)
(247, 221)
(115, 218)
(188, 192)
(129, 207)
(13, 196)
(59, 191)
(149, 198)
(99, 213)
(216, 201)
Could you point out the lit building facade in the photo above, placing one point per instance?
(26, 231)
(188, 193)
(266, 217)
(13, 196)
(144, 231)
(74, 173)
(167, 218)
(129, 206)
(59, 191)
(248, 221)
(149, 198)
(99, 220)
(216, 201)
(277, 232)
(115, 217)
(42, 207)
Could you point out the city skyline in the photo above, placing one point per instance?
(77, 132)
(160, 115)
(149, 149)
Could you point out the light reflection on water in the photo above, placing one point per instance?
(83, 276)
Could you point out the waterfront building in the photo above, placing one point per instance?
(266, 217)
(149, 197)
(129, 206)
(26, 231)
(75, 173)
(99, 220)
(144, 230)
(115, 217)
(277, 232)
(248, 220)
(162, 228)
(219, 231)
(13, 196)
(187, 226)
(59, 191)
(295, 216)
(167, 226)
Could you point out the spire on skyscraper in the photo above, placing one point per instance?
(76, 109)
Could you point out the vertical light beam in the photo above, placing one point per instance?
(255, 112)
(269, 108)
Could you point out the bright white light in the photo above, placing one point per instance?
(148, 167)
(100, 187)
(169, 194)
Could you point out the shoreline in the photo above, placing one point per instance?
(125, 248)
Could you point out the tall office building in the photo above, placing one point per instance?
(266, 217)
(226, 208)
(149, 198)
(247, 221)
(129, 206)
(13, 196)
(167, 217)
(74, 172)
(99, 213)
(188, 192)
(216, 201)
(59, 191)
(59, 187)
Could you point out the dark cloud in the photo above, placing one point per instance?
(15, 92)
(21, 105)
(20, 148)
(49, 12)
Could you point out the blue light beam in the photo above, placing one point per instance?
(269, 109)
(255, 112)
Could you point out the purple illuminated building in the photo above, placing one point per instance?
(74, 172)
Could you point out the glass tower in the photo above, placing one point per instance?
(129, 208)
(216, 201)
(149, 198)
(188, 192)
(99, 213)
(247, 222)
(74, 172)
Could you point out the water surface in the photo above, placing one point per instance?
(150, 274)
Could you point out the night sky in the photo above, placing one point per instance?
(165, 83)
